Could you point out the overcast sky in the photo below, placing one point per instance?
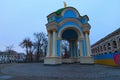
(21, 18)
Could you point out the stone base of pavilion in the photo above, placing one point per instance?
(86, 60)
(52, 61)
(57, 60)
(70, 60)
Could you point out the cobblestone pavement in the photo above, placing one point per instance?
(38, 71)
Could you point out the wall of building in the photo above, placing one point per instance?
(107, 50)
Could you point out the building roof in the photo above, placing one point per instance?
(59, 11)
(6, 53)
(108, 36)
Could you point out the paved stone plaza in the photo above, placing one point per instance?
(38, 71)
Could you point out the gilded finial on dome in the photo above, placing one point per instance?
(65, 5)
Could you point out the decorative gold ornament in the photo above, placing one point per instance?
(65, 5)
(54, 30)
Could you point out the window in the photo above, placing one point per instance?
(109, 46)
(114, 44)
(50, 19)
(101, 48)
(98, 49)
(95, 50)
(104, 47)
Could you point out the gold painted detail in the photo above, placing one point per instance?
(106, 62)
(54, 30)
(49, 31)
(86, 32)
(65, 5)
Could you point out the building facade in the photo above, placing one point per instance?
(21, 57)
(6, 57)
(67, 24)
(107, 50)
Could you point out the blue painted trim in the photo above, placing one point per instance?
(68, 24)
(105, 56)
(83, 21)
(70, 13)
(58, 48)
(67, 14)
(84, 48)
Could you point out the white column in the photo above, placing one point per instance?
(87, 44)
(54, 44)
(90, 52)
(81, 49)
(48, 46)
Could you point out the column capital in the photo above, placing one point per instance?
(49, 31)
(54, 30)
(86, 32)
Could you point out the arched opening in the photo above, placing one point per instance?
(69, 45)
(69, 34)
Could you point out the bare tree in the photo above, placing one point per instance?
(45, 46)
(40, 44)
(9, 49)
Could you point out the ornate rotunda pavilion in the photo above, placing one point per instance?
(68, 24)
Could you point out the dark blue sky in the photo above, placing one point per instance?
(21, 18)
